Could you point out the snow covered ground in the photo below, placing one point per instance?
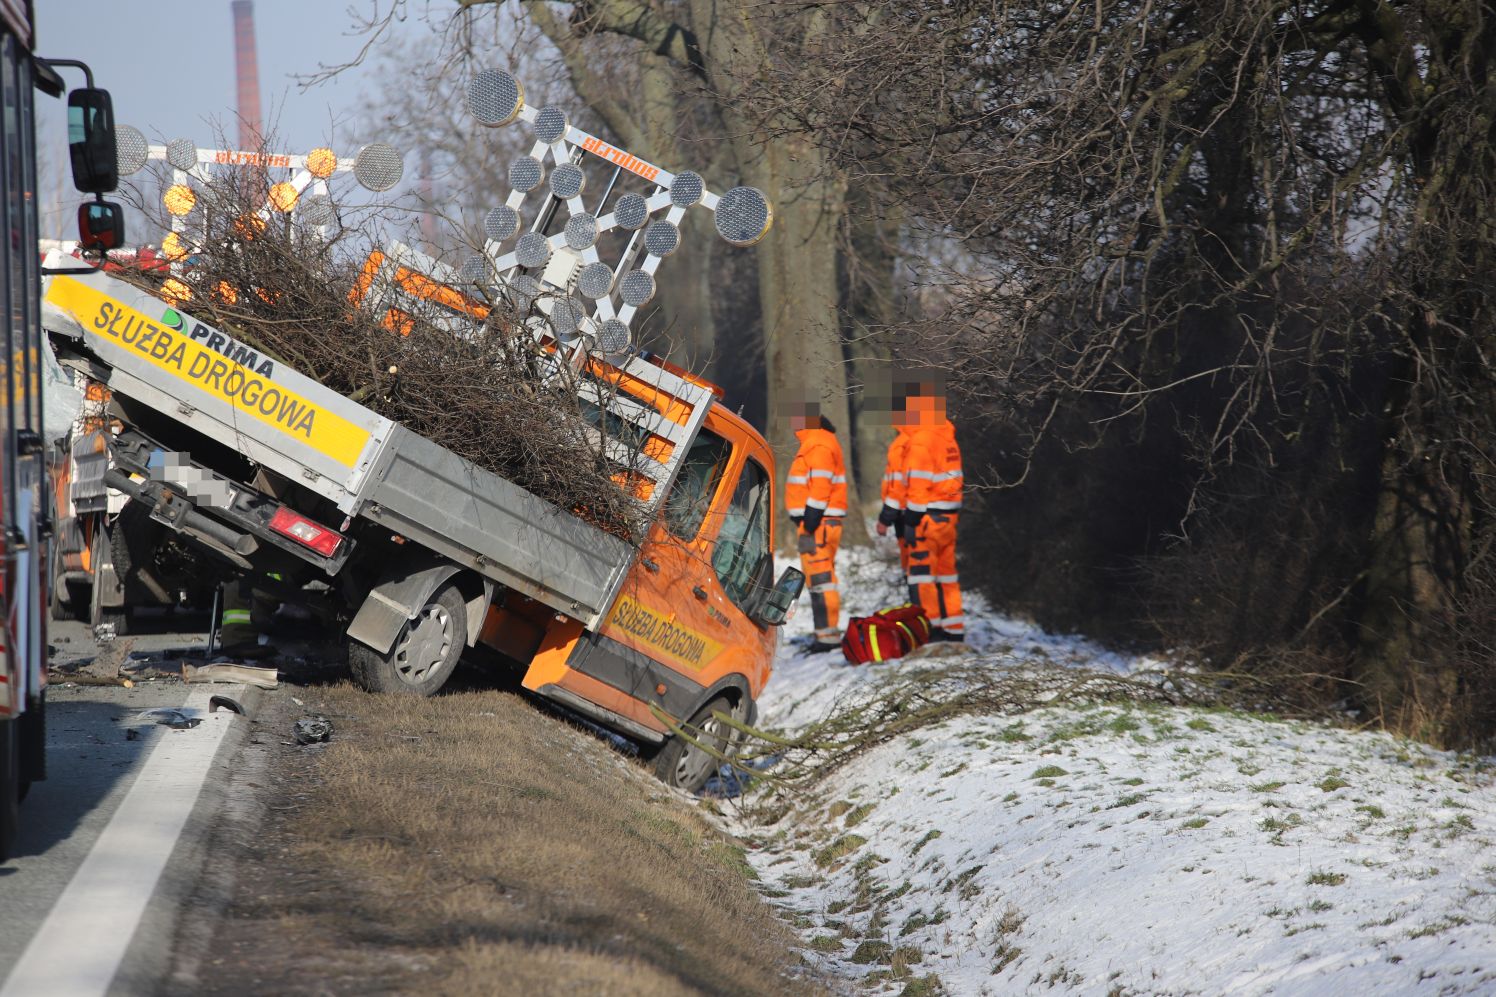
(1126, 850)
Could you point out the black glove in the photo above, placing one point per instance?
(891, 516)
(911, 526)
(796, 521)
(812, 520)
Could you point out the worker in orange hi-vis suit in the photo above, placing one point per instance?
(816, 497)
(895, 488)
(932, 504)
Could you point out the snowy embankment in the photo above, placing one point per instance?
(1127, 850)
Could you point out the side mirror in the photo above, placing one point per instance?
(101, 226)
(91, 140)
(776, 605)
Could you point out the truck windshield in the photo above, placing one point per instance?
(696, 485)
(744, 540)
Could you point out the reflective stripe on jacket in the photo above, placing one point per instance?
(817, 477)
(933, 463)
(895, 482)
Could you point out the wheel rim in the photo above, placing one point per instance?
(695, 765)
(425, 646)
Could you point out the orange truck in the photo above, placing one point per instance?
(420, 555)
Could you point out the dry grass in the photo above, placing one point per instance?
(470, 844)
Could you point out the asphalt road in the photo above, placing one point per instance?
(86, 903)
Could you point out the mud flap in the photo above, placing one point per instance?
(397, 599)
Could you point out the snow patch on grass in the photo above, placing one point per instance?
(1117, 849)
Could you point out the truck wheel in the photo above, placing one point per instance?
(105, 551)
(684, 765)
(10, 786)
(423, 655)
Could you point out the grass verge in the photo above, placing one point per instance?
(471, 844)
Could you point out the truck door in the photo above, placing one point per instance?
(677, 627)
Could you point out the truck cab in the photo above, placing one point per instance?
(687, 628)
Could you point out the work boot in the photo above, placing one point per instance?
(953, 637)
(821, 647)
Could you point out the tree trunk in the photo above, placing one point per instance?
(798, 293)
(869, 279)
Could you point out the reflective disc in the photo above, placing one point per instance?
(474, 269)
(378, 167)
(595, 280)
(317, 209)
(744, 216)
(522, 291)
(631, 211)
(179, 199)
(661, 238)
(566, 315)
(495, 98)
(131, 150)
(567, 180)
(525, 174)
(637, 288)
(613, 337)
(532, 250)
(550, 124)
(581, 231)
(501, 223)
(686, 190)
(181, 153)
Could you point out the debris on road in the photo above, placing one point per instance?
(168, 717)
(216, 703)
(263, 678)
(310, 730)
(119, 680)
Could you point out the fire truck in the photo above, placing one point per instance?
(26, 523)
(420, 554)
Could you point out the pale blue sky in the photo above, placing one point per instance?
(170, 67)
(170, 63)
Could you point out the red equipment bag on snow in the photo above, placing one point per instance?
(886, 635)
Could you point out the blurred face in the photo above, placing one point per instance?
(923, 410)
(804, 416)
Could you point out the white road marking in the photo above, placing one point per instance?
(78, 948)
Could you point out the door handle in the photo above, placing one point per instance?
(699, 592)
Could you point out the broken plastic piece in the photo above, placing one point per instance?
(216, 703)
(168, 717)
(310, 730)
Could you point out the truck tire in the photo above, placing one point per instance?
(424, 654)
(105, 549)
(682, 764)
(10, 786)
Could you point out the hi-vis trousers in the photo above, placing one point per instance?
(933, 582)
(820, 577)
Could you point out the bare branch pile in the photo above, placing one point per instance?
(479, 383)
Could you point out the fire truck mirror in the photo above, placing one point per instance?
(101, 226)
(91, 140)
(776, 605)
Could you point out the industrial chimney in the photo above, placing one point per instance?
(246, 74)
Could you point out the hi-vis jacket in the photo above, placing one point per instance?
(817, 478)
(895, 481)
(933, 466)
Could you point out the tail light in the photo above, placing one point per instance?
(304, 531)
